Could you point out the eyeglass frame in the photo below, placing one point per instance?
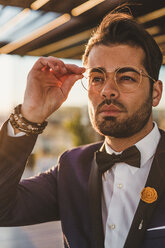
(140, 71)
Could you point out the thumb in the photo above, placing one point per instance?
(71, 79)
(74, 77)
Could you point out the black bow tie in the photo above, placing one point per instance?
(130, 156)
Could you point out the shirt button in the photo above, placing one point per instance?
(120, 185)
(112, 226)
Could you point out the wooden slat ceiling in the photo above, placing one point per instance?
(53, 29)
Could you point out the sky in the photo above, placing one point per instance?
(13, 73)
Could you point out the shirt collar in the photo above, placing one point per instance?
(147, 146)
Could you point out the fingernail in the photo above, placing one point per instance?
(44, 68)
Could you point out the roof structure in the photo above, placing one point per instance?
(62, 28)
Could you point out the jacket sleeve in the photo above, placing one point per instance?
(29, 201)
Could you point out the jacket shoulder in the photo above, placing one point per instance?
(84, 150)
(79, 157)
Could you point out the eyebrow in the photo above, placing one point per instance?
(97, 69)
(123, 69)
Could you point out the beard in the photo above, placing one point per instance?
(111, 126)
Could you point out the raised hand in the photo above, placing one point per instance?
(48, 86)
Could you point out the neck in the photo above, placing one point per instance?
(120, 144)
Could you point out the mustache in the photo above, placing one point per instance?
(109, 102)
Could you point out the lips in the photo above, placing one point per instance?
(109, 110)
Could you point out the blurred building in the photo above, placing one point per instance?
(57, 138)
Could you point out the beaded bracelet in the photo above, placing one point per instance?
(21, 123)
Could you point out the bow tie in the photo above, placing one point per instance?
(130, 156)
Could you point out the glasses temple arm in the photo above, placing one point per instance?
(146, 75)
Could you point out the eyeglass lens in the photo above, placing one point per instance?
(127, 79)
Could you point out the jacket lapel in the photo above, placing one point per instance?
(95, 189)
(145, 210)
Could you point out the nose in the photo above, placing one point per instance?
(110, 89)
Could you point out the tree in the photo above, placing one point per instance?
(81, 134)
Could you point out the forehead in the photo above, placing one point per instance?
(114, 56)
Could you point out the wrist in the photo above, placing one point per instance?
(19, 122)
(31, 115)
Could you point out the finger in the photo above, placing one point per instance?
(50, 63)
(55, 65)
(54, 84)
(59, 64)
(48, 69)
(72, 68)
(66, 87)
(45, 68)
(51, 78)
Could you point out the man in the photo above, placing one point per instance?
(101, 202)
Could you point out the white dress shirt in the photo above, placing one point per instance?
(10, 131)
(122, 186)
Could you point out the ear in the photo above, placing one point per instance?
(157, 93)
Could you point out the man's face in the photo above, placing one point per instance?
(114, 113)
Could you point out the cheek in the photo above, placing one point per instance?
(132, 106)
(92, 104)
(135, 102)
(134, 99)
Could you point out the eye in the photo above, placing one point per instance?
(127, 78)
(96, 78)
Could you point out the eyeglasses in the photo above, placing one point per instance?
(127, 79)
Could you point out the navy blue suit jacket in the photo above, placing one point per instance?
(71, 192)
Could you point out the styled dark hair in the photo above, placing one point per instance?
(121, 28)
